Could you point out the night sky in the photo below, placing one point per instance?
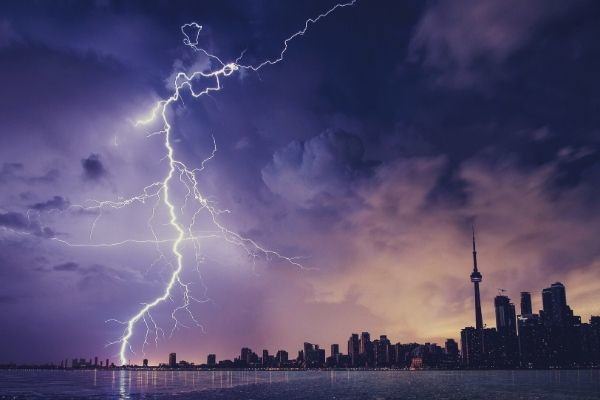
(387, 131)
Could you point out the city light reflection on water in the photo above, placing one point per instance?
(351, 384)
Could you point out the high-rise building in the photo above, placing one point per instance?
(282, 357)
(353, 349)
(245, 355)
(335, 349)
(309, 354)
(554, 301)
(476, 278)
(95, 361)
(471, 343)
(526, 308)
(382, 351)
(366, 349)
(211, 360)
(106, 363)
(173, 360)
(265, 358)
(319, 357)
(507, 351)
(505, 315)
(145, 362)
(532, 342)
(451, 348)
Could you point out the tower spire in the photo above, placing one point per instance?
(474, 251)
(476, 277)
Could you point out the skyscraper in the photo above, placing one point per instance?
(353, 349)
(505, 315)
(172, 360)
(526, 308)
(211, 360)
(554, 301)
(282, 357)
(476, 277)
(335, 349)
(507, 350)
(366, 349)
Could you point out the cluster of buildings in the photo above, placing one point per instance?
(552, 338)
(83, 363)
(362, 352)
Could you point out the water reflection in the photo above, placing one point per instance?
(128, 384)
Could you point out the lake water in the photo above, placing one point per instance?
(258, 385)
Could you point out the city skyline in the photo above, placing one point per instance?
(194, 177)
(516, 336)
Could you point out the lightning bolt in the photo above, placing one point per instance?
(160, 192)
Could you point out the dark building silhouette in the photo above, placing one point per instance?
(173, 360)
(382, 351)
(265, 358)
(507, 345)
(526, 308)
(211, 360)
(452, 353)
(366, 350)
(335, 349)
(282, 358)
(556, 312)
(471, 344)
(354, 349)
(145, 362)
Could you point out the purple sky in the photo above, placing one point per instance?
(387, 131)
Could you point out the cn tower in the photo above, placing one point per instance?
(476, 278)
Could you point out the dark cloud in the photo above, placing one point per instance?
(317, 170)
(55, 203)
(16, 172)
(20, 223)
(93, 169)
(459, 40)
(68, 266)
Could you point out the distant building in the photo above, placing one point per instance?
(335, 349)
(452, 353)
(145, 362)
(173, 360)
(211, 360)
(471, 341)
(353, 349)
(366, 350)
(282, 357)
(245, 356)
(506, 326)
(526, 308)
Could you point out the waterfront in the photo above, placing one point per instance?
(350, 385)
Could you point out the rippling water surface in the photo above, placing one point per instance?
(350, 385)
